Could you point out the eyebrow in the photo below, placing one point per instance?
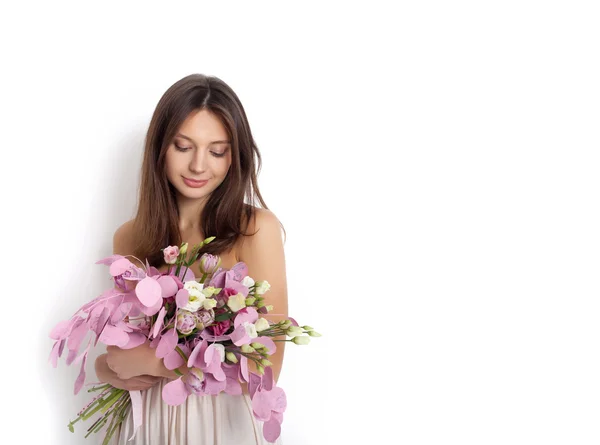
(192, 141)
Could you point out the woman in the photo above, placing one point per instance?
(198, 168)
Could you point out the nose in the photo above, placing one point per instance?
(198, 161)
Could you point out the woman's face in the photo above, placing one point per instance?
(201, 150)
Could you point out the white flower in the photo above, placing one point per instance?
(301, 340)
(196, 297)
(193, 284)
(293, 331)
(250, 329)
(220, 349)
(262, 287)
(209, 303)
(236, 302)
(248, 281)
(261, 324)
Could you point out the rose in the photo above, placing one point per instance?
(224, 295)
(204, 319)
(186, 322)
(171, 253)
(220, 327)
(209, 263)
(236, 302)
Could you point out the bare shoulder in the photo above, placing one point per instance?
(264, 230)
(123, 239)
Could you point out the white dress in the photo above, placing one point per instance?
(201, 420)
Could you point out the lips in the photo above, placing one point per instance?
(194, 183)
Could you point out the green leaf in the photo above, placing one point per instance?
(224, 316)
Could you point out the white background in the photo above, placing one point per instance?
(435, 165)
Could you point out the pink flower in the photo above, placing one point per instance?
(220, 328)
(204, 318)
(195, 380)
(223, 296)
(171, 253)
(209, 263)
(186, 322)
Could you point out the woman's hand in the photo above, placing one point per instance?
(107, 375)
(128, 363)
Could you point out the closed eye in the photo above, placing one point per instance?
(184, 149)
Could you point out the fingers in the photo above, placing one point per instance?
(130, 384)
(148, 379)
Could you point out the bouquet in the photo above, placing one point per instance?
(212, 326)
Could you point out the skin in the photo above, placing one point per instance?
(199, 137)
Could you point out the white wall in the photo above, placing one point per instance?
(435, 167)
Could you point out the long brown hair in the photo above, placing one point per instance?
(156, 222)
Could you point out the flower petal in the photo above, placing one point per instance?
(119, 266)
(248, 314)
(271, 429)
(135, 339)
(173, 360)
(196, 358)
(167, 343)
(76, 335)
(270, 344)
(148, 292)
(182, 297)
(109, 259)
(261, 405)
(267, 379)
(213, 386)
(233, 387)
(240, 271)
(113, 336)
(175, 392)
(254, 383)
(53, 358)
(81, 377)
(101, 322)
(158, 324)
(150, 311)
(240, 336)
(244, 367)
(279, 399)
(168, 285)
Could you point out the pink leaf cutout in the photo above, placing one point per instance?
(149, 292)
(175, 392)
(167, 343)
(271, 430)
(168, 286)
(113, 336)
(135, 339)
(158, 324)
(182, 298)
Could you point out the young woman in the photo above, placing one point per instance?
(199, 168)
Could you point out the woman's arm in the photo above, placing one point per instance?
(106, 375)
(264, 255)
